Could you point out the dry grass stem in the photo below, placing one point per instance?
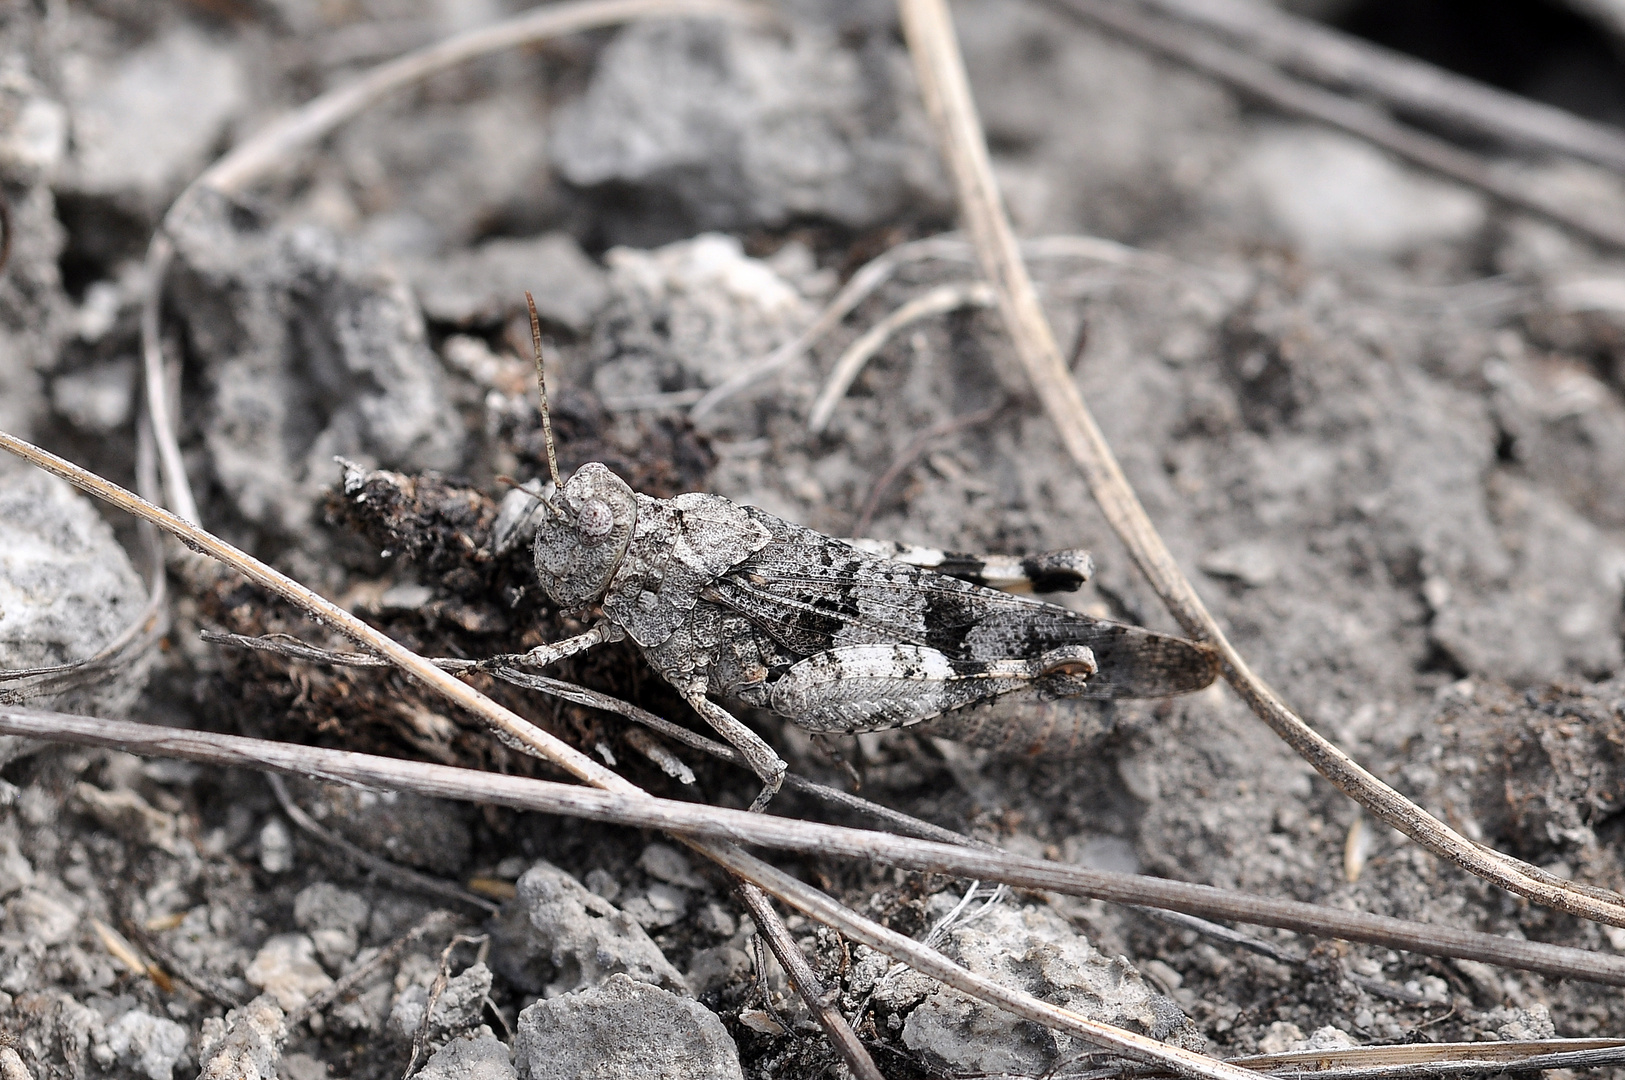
(939, 301)
(1318, 52)
(442, 979)
(879, 270)
(806, 981)
(1418, 1060)
(948, 101)
(1259, 80)
(895, 820)
(858, 288)
(788, 834)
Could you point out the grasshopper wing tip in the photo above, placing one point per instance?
(1161, 665)
(1205, 670)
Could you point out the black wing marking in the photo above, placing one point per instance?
(811, 594)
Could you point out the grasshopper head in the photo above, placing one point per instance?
(584, 535)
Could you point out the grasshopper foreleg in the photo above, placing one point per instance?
(543, 655)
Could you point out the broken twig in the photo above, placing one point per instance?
(788, 834)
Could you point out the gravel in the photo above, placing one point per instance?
(623, 1028)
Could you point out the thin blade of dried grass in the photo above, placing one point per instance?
(789, 834)
(877, 271)
(946, 89)
(1411, 85)
(1415, 1061)
(938, 301)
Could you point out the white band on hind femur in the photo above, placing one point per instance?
(595, 520)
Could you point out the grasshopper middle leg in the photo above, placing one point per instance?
(761, 758)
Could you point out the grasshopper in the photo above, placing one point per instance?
(728, 602)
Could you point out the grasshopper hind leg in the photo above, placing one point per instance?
(1032, 726)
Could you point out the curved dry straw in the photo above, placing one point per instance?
(943, 82)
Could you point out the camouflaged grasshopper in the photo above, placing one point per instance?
(728, 602)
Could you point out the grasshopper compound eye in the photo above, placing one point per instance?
(595, 521)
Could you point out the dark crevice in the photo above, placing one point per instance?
(1538, 48)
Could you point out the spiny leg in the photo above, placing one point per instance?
(1050, 571)
(762, 759)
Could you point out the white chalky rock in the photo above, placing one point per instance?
(286, 968)
(149, 1044)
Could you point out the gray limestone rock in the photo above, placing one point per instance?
(34, 309)
(151, 1045)
(745, 127)
(480, 1057)
(33, 127)
(1033, 949)
(285, 968)
(45, 1023)
(623, 1028)
(334, 919)
(436, 175)
(485, 285)
(555, 937)
(246, 1045)
(67, 590)
(310, 353)
(687, 315)
(457, 1010)
(148, 120)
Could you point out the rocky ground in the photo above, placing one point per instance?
(1380, 419)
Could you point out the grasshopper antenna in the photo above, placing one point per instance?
(541, 386)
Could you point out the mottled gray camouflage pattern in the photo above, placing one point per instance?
(730, 603)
